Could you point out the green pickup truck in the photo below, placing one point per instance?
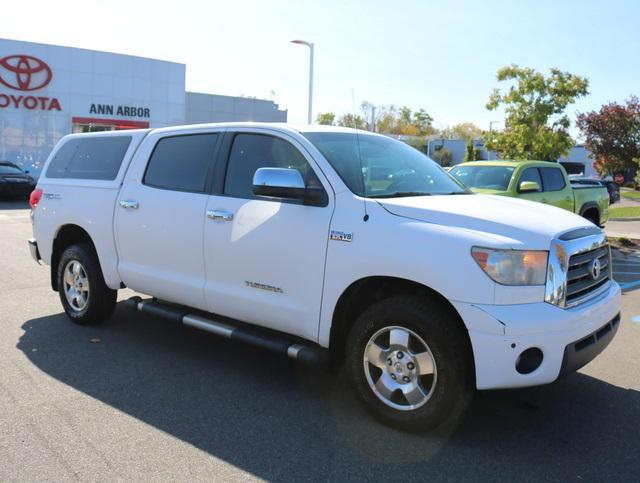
(540, 181)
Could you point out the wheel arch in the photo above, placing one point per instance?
(67, 235)
(591, 207)
(366, 291)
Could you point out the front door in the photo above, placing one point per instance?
(264, 258)
(160, 219)
(532, 174)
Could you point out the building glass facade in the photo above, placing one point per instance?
(49, 91)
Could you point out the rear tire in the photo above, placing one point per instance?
(84, 295)
(410, 363)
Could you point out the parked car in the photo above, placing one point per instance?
(539, 181)
(14, 182)
(612, 188)
(284, 238)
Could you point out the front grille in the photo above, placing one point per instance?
(580, 278)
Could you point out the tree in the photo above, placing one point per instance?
(386, 120)
(422, 120)
(535, 119)
(442, 156)
(471, 153)
(612, 135)
(402, 121)
(326, 118)
(349, 120)
(464, 130)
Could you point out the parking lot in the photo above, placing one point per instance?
(139, 398)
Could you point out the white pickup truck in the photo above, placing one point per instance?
(328, 244)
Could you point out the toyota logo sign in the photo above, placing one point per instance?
(24, 72)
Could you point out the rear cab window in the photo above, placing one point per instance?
(552, 179)
(89, 158)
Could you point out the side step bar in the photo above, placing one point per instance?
(272, 342)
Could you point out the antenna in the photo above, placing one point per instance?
(364, 189)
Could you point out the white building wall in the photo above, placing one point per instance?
(202, 108)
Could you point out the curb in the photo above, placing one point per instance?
(632, 218)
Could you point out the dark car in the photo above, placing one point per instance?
(612, 187)
(14, 182)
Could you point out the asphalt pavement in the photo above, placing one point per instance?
(139, 398)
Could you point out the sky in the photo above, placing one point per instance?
(438, 55)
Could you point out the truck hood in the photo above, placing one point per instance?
(526, 224)
(485, 191)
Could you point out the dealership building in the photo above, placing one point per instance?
(48, 91)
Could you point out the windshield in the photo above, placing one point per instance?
(381, 167)
(484, 177)
(8, 169)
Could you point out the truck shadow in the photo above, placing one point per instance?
(13, 204)
(280, 420)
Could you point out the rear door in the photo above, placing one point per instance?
(160, 217)
(555, 188)
(265, 259)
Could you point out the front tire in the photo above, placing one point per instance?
(83, 292)
(410, 363)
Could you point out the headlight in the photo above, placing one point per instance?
(513, 267)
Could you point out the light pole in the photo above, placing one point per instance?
(491, 123)
(310, 45)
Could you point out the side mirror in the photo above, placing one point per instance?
(286, 183)
(528, 187)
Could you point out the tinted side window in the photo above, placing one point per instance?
(252, 151)
(532, 174)
(89, 158)
(181, 163)
(553, 179)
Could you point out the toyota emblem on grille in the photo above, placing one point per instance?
(595, 268)
(24, 72)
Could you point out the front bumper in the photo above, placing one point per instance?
(567, 338)
(33, 249)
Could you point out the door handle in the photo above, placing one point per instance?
(129, 204)
(219, 215)
(568, 198)
(544, 200)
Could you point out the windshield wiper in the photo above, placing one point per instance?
(460, 193)
(401, 194)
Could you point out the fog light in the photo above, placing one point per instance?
(529, 360)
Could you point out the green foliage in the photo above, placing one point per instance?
(625, 242)
(417, 142)
(442, 156)
(534, 105)
(464, 130)
(326, 118)
(631, 194)
(349, 120)
(399, 121)
(625, 212)
(471, 152)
